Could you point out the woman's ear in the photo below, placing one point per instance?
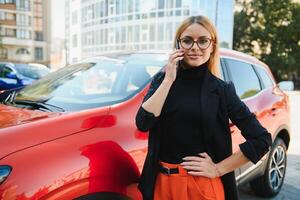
(211, 51)
(213, 48)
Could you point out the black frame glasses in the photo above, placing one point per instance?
(199, 42)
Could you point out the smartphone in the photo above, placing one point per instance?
(177, 46)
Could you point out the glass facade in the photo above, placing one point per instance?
(109, 25)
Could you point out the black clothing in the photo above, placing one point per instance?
(219, 103)
(181, 116)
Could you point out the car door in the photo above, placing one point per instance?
(234, 136)
(274, 103)
(248, 88)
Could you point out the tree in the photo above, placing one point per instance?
(270, 30)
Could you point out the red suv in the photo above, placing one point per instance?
(72, 134)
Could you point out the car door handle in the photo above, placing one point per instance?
(273, 111)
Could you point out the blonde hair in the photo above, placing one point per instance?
(206, 23)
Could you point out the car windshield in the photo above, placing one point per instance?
(31, 71)
(94, 82)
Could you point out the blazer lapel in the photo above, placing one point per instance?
(209, 108)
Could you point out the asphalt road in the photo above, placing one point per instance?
(291, 187)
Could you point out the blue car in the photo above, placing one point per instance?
(16, 75)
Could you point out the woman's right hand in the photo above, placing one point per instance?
(171, 67)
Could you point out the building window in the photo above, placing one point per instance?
(137, 34)
(74, 17)
(160, 31)
(152, 32)
(22, 51)
(89, 38)
(178, 3)
(2, 15)
(23, 34)
(23, 20)
(74, 40)
(178, 13)
(123, 34)
(169, 31)
(10, 32)
(10, 16)
(130, 6)
(23, 5)
(39, 53)
(74, 60)
(2, 31)
(111, 8)
(3, 53)
(39, 36)
(169, 4)
(161, 4)
(7, 1)
(118, 7)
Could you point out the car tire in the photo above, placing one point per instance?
(270, 183)
(103, 196)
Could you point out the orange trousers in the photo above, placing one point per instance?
(183, 186)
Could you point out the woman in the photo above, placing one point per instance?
(187, 111)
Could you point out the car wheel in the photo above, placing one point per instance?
(269, 184)
(103, 196)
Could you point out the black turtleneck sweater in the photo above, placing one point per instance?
(181, 116)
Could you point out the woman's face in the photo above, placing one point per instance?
(196, 56)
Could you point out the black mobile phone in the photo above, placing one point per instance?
(177, 46)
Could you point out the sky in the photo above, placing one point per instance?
(58, 18)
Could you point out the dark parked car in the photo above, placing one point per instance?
(15, 75)
(72, 133)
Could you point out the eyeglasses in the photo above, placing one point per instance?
(203, 42)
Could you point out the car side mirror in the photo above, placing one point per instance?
(12, 75)
(286, 85)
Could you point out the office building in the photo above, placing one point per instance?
(96, 26)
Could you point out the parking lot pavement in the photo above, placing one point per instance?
(291, 187)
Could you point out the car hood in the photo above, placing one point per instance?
(22, 128)
(11, 116)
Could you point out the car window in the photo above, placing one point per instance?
(4, 71)
(31, 71)
(94, 82)
(266, 79)
(244, 78)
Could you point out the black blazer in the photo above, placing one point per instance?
(219, 103)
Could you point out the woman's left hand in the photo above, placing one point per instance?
(201, 166)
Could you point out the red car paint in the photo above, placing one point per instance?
(67, 155)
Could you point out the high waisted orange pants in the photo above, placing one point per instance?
(183, 186)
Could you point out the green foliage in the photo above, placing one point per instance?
(249, 93)
(270, 30)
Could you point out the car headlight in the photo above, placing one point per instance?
(4, 172)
